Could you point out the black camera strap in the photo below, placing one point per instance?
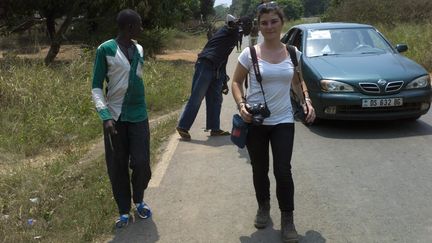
(256, 70)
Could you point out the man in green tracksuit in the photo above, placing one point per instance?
(122, 109)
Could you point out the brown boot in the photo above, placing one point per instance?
(289, 233)
(262, 217)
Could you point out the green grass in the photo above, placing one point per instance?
(48, 122)
(65, 191)
(47, 108)
(75, 200)
(167, 84)
(288, 24)
(418, 37)
(43, 107)
(183, 41)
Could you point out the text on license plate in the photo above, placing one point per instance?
(382, 102)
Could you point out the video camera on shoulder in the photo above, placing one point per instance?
(234, 23)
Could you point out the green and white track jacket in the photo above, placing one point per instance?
(125, 87)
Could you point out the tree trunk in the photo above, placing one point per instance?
(58, 36)
(50, 23)
(52, 53)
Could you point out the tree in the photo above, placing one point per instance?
(206, 7)
(315, 7)
(293, 9)
(21, 15)
(57, 15)
(389, 12)
(221, 11)
(237, 7)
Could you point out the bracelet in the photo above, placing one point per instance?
(308, 99)
(239, 104)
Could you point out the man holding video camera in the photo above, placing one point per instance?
(210, 77)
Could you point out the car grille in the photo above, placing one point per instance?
(369, 87)
(355, 109)
(375, 88)
(394, 86)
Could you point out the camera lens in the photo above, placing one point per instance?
(259, 113)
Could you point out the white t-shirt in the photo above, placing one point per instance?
(276, 81)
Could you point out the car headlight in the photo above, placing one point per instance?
(419, 83)
(335, 86)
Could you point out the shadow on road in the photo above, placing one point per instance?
(216, 141)
(312, 236)
(267, 235)
(371, 129)
(270, 235)
(138, 231)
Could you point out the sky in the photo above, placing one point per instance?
(219, 2)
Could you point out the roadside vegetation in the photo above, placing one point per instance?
(417, 36)
(47, 191)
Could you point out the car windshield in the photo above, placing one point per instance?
(325, 42)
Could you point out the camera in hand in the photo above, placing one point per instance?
(259, 113)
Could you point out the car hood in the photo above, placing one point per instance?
(386, 66)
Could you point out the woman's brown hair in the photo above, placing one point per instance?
(270, 7)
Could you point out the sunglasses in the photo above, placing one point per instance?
(267, 6)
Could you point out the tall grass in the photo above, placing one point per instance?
(167, 84)
(65, 201)
(49, 109)
(183, 41)
(45, 108)
(418, 37)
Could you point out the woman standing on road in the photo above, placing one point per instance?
(277, 71)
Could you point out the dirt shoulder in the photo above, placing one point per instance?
(172, 55)
(71, 52)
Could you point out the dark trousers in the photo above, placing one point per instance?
(207, 82)
(281, 137)
(129, 148)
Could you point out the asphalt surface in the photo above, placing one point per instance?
(355, 182)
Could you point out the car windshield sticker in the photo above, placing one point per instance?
(319, 34)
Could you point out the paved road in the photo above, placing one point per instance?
(355, 182)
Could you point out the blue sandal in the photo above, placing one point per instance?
(143, 210)
(122, 221)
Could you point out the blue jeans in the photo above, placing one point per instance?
(207, 82)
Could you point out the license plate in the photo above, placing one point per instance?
(382, 102)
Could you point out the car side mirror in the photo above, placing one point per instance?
(401, 47)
